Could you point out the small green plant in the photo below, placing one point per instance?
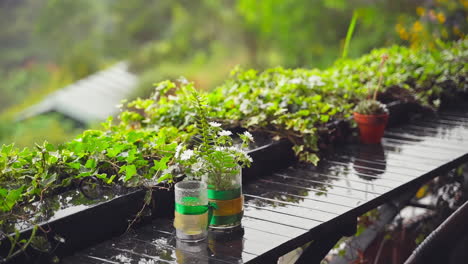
(214, 153)
(372, 106)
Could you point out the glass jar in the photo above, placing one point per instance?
(225, 191)
(191, 210)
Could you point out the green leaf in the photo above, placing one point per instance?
(115, 150)
(298, 149)
(325, 108)
(49, 179)
(131, 155)
(6, 149)
(74, 165)
(111, 179)
(52, 159)
(84, 174)
(161, 164)
(90, 164)
(133, 136)
(312, 158)
(49, 147)
(130, 171)
(164, 177)
(324, 118)
(10, 199)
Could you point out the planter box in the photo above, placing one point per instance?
(90, 221)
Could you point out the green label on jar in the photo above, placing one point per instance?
(191, 210)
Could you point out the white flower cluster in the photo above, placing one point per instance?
(196, 167)
(310, 82)
(316, 81)
(186, 155)
(178, 149)
(296, 81)
(224, 133)
(245, 107)
(249, 136)
(214, 124)
(235, 149)
(247, 156)
(145, 261)
(122, 258)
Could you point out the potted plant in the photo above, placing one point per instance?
(217, 160)
(371, 115)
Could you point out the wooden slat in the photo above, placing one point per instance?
(299, 194)
(362, 158)
(376, 180)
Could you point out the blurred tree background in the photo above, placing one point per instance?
(47, 44)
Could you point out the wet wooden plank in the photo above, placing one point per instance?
(414, 138)
(439, 147)
(296, 194)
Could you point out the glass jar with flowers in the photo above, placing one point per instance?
(216, 158)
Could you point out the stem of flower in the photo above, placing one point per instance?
(384, 59)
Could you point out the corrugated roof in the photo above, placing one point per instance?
(91, 99)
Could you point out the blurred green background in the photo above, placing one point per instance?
(48, 44)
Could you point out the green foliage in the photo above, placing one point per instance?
(371, 107)
(425, 75)
(119, 154)
(215, 156)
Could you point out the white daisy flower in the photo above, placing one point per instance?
(224, 133)
(214, 124)
(220, 148)
(247, 156)
(187, 154)
(177, 150)
(234, 148)
(197, 166)
(248, 135)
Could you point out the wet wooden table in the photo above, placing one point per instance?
(300, 204)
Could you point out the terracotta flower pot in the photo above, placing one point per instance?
(371, 127)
